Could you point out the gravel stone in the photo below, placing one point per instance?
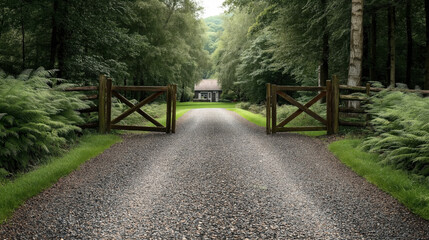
(219, 177)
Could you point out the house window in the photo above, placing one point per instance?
(204, 95)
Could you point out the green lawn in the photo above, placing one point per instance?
(410, 190)
(195, 105)
(16, 192)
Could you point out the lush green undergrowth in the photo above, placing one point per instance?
(411, 190)
(400, 130)
(14, 193)
(39, 119)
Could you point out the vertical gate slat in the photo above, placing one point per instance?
(168, 121)
(268, 109)
(174, 108)
(102, 104)
(335, 104)
(368, 93)
(108, 105)
(329, 124)
(274, 108)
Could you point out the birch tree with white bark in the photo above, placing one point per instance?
(356, 44)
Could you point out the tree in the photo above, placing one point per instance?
(426, 84)
(356, 44)
(409, 43)
(391, 59)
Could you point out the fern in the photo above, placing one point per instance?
(40, 118)
(400, 130)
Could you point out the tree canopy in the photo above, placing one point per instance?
(304, 42)
(136, 42)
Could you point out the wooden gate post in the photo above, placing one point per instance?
(168, 120)
(329, 124)
(335, 105)
(268, 108)
(274, 108)
(173, 127)
(102, 94)
(368, 93)
(108, 105)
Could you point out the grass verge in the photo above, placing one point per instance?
(16, 192)
(195, 105)
(411, 191)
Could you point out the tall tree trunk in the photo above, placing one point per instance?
(54, 36)
(366, 54)
(373, 48)
(409, 44)
(2, 14)
(356, 44)
(23, 36)
(391, 60)
(62, 37)
(426, 85)
(324, 67)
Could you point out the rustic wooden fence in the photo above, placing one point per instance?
(337, 99)
(104, 93)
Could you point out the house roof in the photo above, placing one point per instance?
(207, 85)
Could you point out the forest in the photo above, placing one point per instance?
(144, 42)
(306, 42)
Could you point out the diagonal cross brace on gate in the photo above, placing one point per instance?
(107, 91)
(271, 108)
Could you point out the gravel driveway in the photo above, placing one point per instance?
(219, 177)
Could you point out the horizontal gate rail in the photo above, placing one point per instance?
(139, 128)
(141, 88)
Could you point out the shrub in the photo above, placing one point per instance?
(39, 118)
(229, 95)
(243, 105)
(401, 130)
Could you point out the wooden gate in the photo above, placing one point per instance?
(106, 91)
(271, 108)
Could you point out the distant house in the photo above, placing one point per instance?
(208, 90)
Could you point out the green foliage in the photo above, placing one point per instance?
(401, 130)
(228, 95)
(40, 118)
(136, 42)
(285, 42)
(214, 31)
